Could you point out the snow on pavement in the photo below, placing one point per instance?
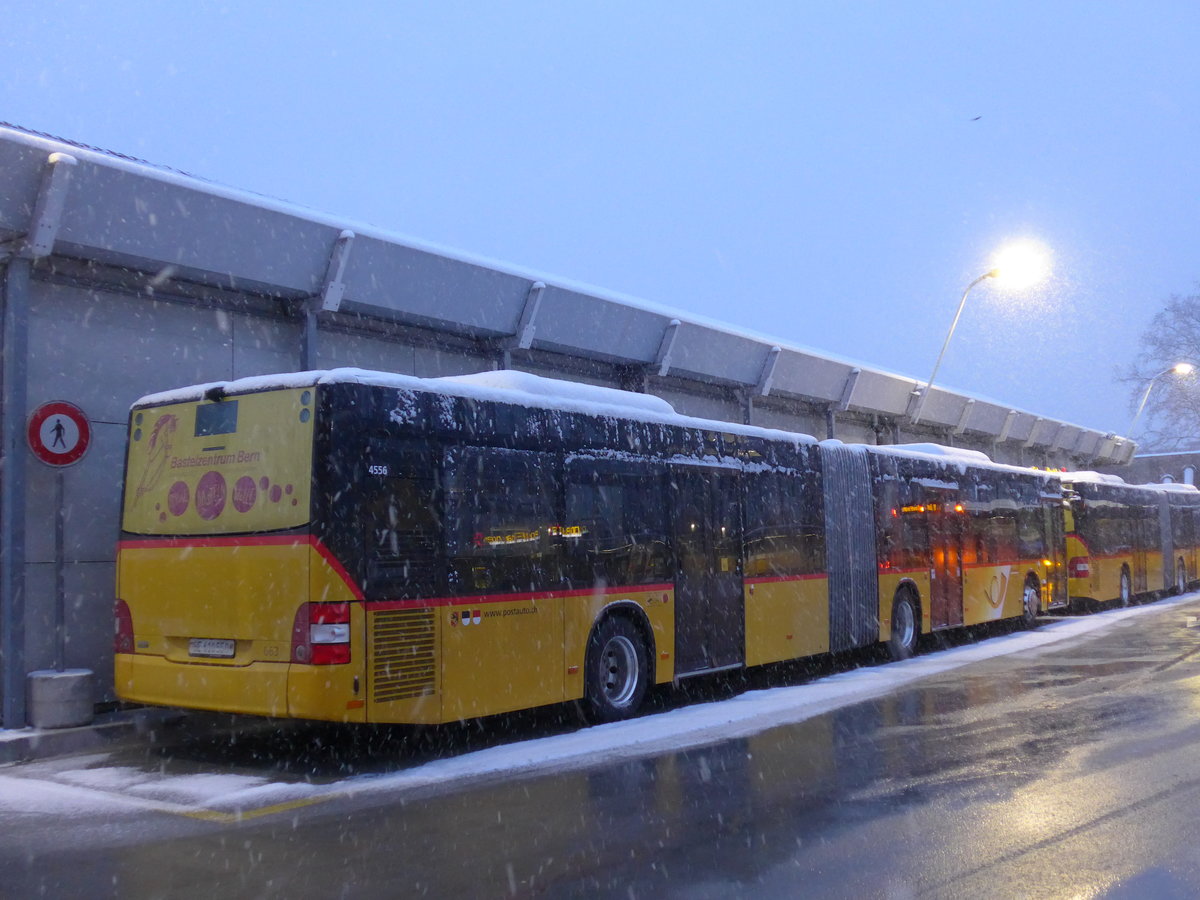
(83, 784)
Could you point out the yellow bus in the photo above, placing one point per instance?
(1128, 541)
(366, 547)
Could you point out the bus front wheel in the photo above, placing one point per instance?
(618, 670)
(903, 642)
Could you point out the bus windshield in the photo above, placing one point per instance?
(230, 466)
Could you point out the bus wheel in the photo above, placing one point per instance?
(1180, 578)
(1126, 596)
(1031, 604)
(903, 642)
(618, 668)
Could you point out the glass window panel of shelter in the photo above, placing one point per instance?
(504, 530)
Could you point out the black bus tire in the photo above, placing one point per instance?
(1125, 598)
(906, 625)
(1031, 604)
(618, 670)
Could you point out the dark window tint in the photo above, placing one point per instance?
(783, 531)
(616, 525)
(504, 531)
(216, 418)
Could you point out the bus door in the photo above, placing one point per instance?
(1143, 534)
(946, 527)
(1055, 589)
(709, 605)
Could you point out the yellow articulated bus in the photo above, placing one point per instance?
(1128, 541)
(364, 547)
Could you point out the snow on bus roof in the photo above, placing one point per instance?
(1170, 487)
(503, 386)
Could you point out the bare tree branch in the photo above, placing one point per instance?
(1171, 418)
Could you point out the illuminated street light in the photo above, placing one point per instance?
(1183, 369)
(1016, 266)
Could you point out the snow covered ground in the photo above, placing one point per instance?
(85, 784)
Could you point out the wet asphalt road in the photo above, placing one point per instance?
(1072, 771)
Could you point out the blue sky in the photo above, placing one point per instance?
(832, 174)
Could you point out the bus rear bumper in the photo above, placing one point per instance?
(259, 689)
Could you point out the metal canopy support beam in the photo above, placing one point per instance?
(962, 419)
(1033, 432)
(335, 287)
(1008, 424)
(48, 208)
(914, 402)
(12, 489)
(663, 361)
(848, 389)
(767, 375)
(528, 324)
(830, 422)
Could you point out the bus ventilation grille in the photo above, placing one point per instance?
(403, 659)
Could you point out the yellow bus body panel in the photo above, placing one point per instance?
(786, 619)
(245, 592)
(995, 592)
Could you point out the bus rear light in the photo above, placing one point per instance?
(122, 628)
(321, 634)
(1079, 567)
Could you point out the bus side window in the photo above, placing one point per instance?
(401, 524)
(503, 525)
(783, 532)
(616, 528)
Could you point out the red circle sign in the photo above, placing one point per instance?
(58, 433)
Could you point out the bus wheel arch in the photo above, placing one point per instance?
(1031, 601)
(906, 622)
(618, 667)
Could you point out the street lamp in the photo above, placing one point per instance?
(1016, 266)
(1182, 369)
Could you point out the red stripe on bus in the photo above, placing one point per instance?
(771, 579)
(481, 599)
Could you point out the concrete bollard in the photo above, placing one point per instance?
(59, 699)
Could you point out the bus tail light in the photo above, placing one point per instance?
(1079, 567)
(122, 628)
(321, 634)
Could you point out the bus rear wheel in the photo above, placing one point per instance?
(903, 642)
(1031, 604)
(618, 669)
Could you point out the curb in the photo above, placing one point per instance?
(107, 731)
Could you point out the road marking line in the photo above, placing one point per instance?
(230, 818)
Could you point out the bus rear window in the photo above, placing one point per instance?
(217, 418)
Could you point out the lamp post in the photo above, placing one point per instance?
(1180, 368)
(1019, 265)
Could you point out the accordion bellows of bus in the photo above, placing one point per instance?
(366, 547)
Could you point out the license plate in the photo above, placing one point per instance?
(213, 648)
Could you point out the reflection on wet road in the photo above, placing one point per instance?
(1070, 771)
